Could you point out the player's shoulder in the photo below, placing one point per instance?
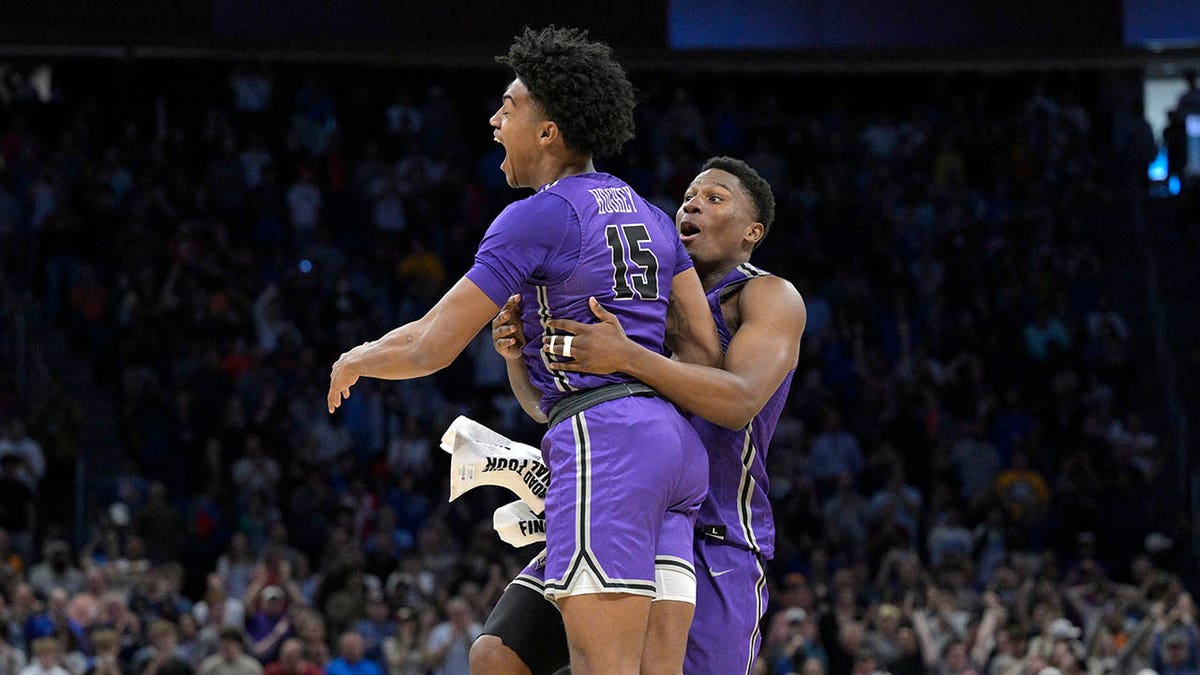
(538, 206)
(766, 294)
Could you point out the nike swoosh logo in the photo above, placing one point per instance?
(714, 574)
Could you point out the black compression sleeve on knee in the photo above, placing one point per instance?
(532, 627)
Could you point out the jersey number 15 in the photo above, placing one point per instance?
(635, 269)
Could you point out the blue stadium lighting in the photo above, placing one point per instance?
(1158, 168)
(1174, 186)
(305, 266)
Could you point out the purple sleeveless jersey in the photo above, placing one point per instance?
(737, 508)
(584, 235)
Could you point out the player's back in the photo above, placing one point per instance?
(628, 252)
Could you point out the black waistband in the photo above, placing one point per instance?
(577, 402)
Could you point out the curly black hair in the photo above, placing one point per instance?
(756, 187)
(579, 86)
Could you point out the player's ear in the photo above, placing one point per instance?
(548, 132)
(754, 233)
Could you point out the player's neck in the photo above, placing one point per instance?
(565, 167)
(711, 275)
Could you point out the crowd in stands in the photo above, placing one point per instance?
(964, 480)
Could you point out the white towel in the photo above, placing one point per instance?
(518, 525)
(480, 456)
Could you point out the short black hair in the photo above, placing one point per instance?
(756, 187)
(579, 86)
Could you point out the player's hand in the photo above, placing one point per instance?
(597, 348)
(507, 335)
(341, 378)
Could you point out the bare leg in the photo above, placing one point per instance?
(666, 637)
(606, 632)
(490, 656)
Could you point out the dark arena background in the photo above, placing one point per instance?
(988, 460)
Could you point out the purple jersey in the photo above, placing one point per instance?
(584, 235)
(737, 509)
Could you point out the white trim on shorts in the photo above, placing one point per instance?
(675, 579)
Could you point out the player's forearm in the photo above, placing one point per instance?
(401, 354)
(716, 395)
(527, 395)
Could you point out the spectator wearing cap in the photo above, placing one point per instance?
(47, 658)
(352, 658)
(291, 660)
(269, 624)
(231, 657)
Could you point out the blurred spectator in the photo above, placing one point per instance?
(377, 626)
(403, 652)
(291, 661)
(162, 656)
(17, 515)
(449, 642)
(835, 452)
(236, 566)
(47, 658)
(160, 525)
(217, 609)
(106, 651)
(12, 659)
(352, 658)
(231, 658)
(17, 442)
(56, 569)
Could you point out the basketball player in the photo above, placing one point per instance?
(726, 212)
(630, 472)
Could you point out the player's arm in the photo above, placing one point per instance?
(764, 349)
(691, 334)
(418, 348)
(509, 339)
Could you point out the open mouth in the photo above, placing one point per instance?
(688, 231)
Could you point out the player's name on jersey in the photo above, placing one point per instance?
(534, 474)
(614, 200)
